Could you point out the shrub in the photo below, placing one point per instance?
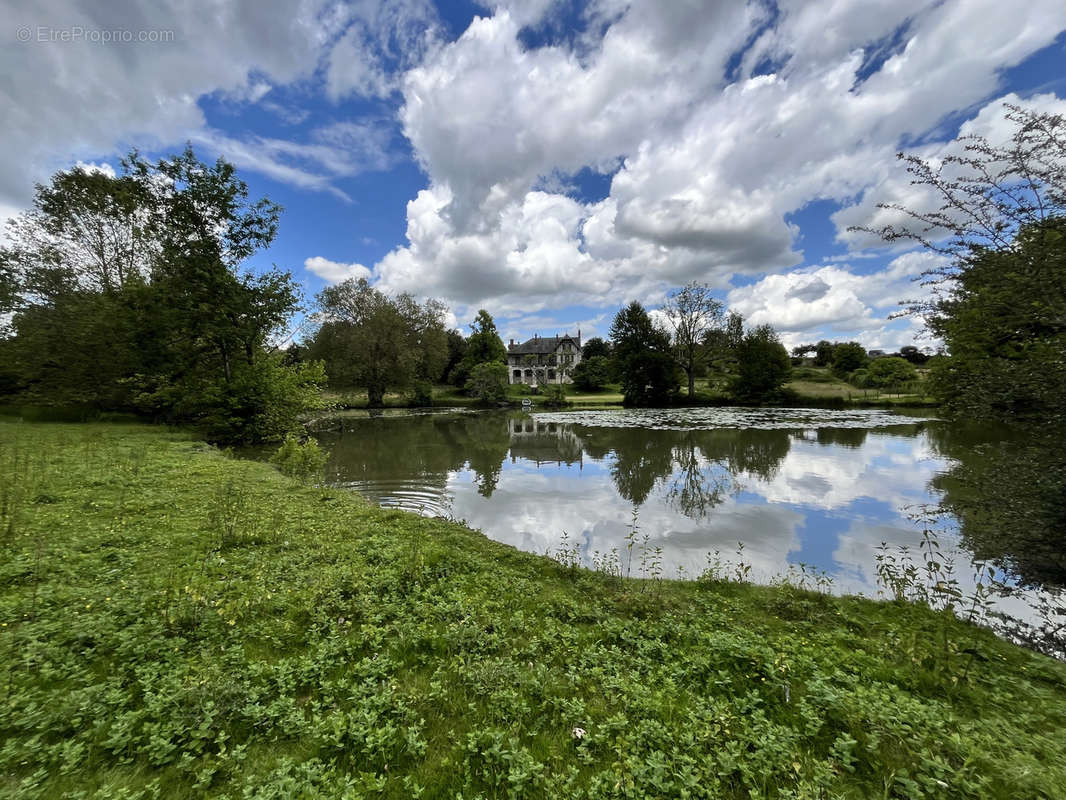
(592, 374)
(487, 382)
(301, 461)
(554, 395)
(421, 394)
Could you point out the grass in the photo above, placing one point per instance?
(177, 623)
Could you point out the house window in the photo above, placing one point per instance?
(518, 374)
(551, 374)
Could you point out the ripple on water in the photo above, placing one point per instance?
(407, 495)
(668, 419)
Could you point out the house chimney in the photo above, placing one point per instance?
(512, 343)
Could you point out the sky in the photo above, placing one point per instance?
(548, 160)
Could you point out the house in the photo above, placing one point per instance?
(543, 359)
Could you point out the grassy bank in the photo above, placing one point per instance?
(177, 623)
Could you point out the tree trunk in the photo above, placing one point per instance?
(691, 383)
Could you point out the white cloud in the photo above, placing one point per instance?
(335, 271)
(709, 169)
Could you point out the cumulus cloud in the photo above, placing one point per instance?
(335, 271)
(711, 147)
(837, 298)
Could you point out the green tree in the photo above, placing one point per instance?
(891, 373)
(913, 355)
(483, 345)
(595, 347)
(721, 343)
(764, 366)
(999, 295)
(823, 353)
(456, 352)
(487, 382)
(643, 357)
(592, 374)
(848, 357)
(131, 294)
(692, 313)
(380, 342)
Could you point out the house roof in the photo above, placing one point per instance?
(539, 345)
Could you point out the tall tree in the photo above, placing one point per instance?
(764, 366)
(131, 294)
(595, 347)
(642, 354)
(999, 297)
(692, 313)
(370, 339)
(483, 345)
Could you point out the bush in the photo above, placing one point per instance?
(892, 373)
(848, 357)
(421, 394)
(301, 461)
(554, 395)
(488, 382)
(592, 374)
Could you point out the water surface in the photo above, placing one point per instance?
(794, 486)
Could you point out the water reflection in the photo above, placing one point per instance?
(799, 487)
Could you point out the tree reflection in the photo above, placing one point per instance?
(1007, 488)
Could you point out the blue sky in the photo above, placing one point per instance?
(549, 161)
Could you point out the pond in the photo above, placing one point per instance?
(784, 487)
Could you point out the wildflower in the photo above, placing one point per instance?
(578, 733)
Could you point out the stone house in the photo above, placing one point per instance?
(543, 359)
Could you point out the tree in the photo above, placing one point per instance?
(848, 357)
(998, 298)
(823, 353)
(456, 352)
(487, 382)
(592, 374)
(804, 350)
(692, 313)
(891, 373)
(370, 339)
(131, 295)
(642, 353)
(913, 355)
(483, 345)
(595, 347)
(764, 366)
(721, 343)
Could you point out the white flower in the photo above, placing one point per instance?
(578, 733)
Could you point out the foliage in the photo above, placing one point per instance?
(891, 373)
(721, 344)
(764, 366)
(692, 313)
(483, 345)
(848, 357)
(181, 624)
(913, 355)
(487, 382)
(642, 354)
(595, 347)
(592, 373)
(998, 297)
(130, 293)
(370, 339)
(554, 395)
(456, 351)
(823, 353)
(1004, 327)
(301, 460)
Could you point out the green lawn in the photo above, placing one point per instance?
(177, 623)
